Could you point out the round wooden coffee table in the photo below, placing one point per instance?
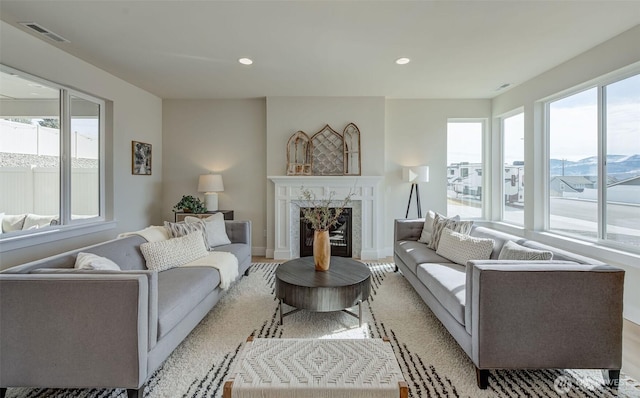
(346, 284)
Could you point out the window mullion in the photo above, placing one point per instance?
(65, 157)
(602, 164)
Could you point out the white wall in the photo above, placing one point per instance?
(286, 115)
(416, 134)
(222, 136)
(137, 115)
(620, 52)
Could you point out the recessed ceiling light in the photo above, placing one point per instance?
(402, 61)
(245, 61)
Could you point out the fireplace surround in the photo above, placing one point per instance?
(366, 205)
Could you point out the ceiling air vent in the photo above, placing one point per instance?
(44, 32)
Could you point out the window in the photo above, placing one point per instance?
(464, 168)
(622, 194)
(594, 190)
(50, 164)
(513, 171)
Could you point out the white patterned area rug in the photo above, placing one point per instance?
(432, 362)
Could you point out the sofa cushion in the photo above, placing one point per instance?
(513, 251)
(413, 253)
(242, 251)
(175, 252)
(461, 248)
(447, 283)
(440, 223)
(179, 291)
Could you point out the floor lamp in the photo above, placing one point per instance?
(415, 175)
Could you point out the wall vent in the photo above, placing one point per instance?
(44, 32)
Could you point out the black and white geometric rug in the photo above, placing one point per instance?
(432, 362)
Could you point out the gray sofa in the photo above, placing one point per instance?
(507, 314)
(65, 328)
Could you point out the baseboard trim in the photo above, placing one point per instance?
(259, 251)
(631, 349)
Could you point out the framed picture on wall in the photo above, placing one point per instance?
(140, 158)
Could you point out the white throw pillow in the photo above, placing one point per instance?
(37, 221)
(214, 227)
(13, 222)
(175, 252)
(440, 223)
(513, 251)
(425, 236)
(461, 248)
(94, 262)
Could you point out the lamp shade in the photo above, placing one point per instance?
(210, 183)
(416, 174)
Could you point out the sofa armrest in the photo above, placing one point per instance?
(407, 229)
(239, 231)
(152, 280)
(545, 315)
(73, 330)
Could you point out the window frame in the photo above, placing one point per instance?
(600, 84)
(501, 120)
(68, 228)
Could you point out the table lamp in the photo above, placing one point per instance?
(210, 184)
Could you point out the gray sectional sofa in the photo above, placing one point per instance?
(66, 328)
(565, 313)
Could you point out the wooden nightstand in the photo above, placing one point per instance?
(179, 215)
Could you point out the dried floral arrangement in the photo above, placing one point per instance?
(320, 213)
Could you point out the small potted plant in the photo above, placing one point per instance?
(190, 204)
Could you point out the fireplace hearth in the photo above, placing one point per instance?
(340, 235)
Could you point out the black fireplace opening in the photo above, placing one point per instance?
(339, 235)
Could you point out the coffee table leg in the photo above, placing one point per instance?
(359, 313)
(280, 310)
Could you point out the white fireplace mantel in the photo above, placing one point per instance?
(365, 190)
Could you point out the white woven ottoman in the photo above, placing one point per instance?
(303, 368)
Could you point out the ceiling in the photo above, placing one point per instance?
(458, 49)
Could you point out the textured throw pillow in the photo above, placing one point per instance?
(178, 229)
(166, 254)
(215, 229)
(440, 223)
(461, 248)
(513, 251)
(92, 261)
(427, 229)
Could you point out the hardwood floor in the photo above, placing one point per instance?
(631, 349)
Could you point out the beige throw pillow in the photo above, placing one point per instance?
(461, 248)
(214, 227)
(166, 254)
(440, 223)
